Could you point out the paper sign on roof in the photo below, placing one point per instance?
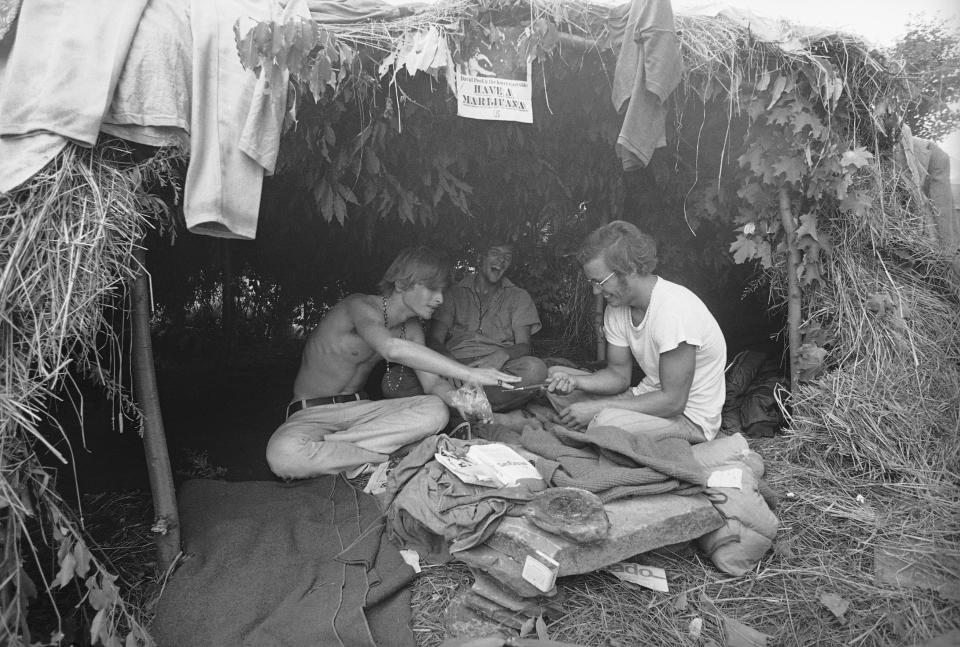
(494, 83)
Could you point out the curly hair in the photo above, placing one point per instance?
(622, 246)
(414, 265)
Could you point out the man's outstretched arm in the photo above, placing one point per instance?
(369, 324)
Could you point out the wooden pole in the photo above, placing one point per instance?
(166, 517)
(793, 287)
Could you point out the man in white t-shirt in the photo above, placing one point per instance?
(665, 327)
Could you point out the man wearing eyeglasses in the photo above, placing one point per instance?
(487, 322)
(665, 327)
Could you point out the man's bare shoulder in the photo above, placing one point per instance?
(355, 304)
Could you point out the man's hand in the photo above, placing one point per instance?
(494, 360)
(493, 377)
(579, 414)
(562, 383)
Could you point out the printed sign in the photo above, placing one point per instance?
(650, 577)
(494, 82)
(486, 97)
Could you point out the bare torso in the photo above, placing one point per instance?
(336, 359)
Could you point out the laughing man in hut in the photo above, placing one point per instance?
(331, 426)
(665, 327)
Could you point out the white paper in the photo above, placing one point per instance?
(467, 470)
(378, 480)
(541, 571)
(732, 478)
(507, 466)
(411, 557)
(650, 577)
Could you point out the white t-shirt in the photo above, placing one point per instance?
(676, 315)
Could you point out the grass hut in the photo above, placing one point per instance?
(777, 180)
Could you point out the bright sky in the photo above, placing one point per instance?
(880, 22)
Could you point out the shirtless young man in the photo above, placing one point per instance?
(665, 327)
(331, 426)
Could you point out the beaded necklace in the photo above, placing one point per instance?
(481, 312)
(403, 335)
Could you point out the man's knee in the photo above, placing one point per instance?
(532, 369)
(287, 457)
(433, 414)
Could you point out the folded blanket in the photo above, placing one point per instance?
(613, 463)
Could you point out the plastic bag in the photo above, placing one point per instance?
(472, 404)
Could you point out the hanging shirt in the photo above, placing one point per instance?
(648, 69)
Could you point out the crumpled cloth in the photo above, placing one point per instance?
(435, 513)
(613, 463)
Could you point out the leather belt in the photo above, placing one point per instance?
(297, 405)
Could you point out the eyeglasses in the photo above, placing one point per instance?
(599, 284)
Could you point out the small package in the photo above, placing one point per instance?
(492, 465)
(507, 466)
(540, 570)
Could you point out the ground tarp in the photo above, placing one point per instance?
(270, 564)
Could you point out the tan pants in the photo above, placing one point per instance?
(337, 437)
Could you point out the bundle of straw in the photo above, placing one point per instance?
(66, 242)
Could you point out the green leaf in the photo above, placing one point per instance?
(808, 226)
(777, 90)
(790, 167)
(97, 625)
(83, 558)
(738, 634)
(743, 249)
(858, 157)
(347, 194)
(810, 361)
(68, 566)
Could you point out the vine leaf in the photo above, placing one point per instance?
(858, 157)
(791, 167)
(777, 90)
(808, 226)
(810, 361)
(743, 249)
(68, 566)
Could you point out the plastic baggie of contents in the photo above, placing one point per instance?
(472, 404)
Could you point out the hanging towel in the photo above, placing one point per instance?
(151, 104)
(58, 70)
(235, 120)
(648, 69)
